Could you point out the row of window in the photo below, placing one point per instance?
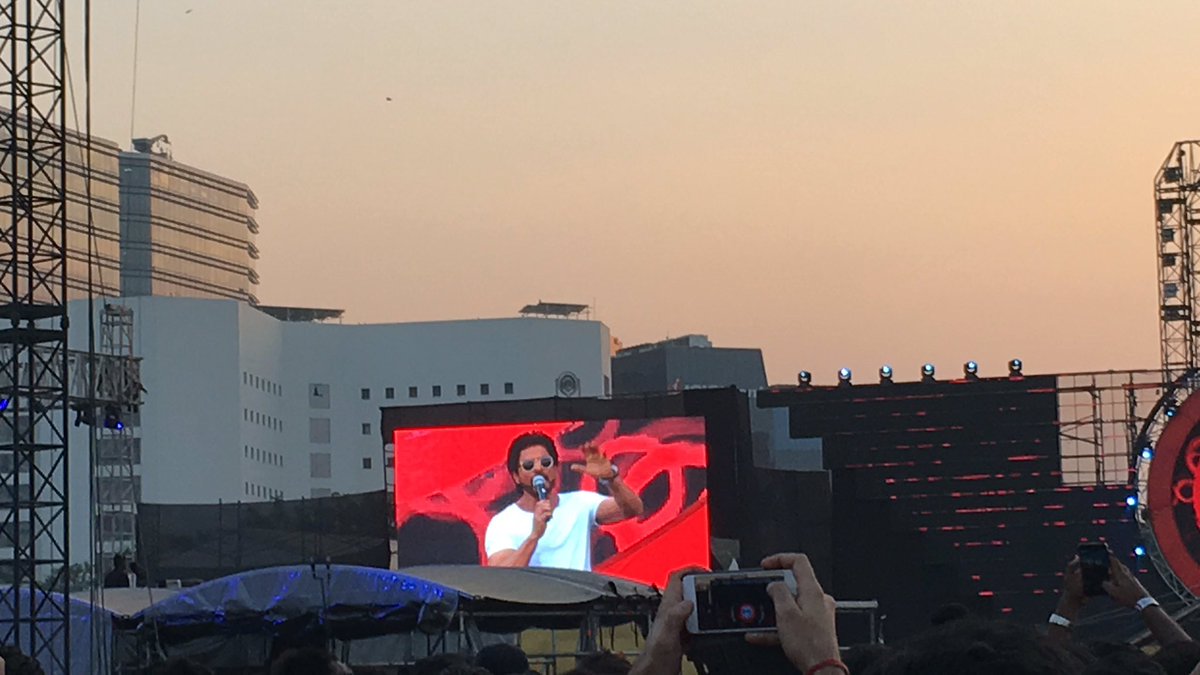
(485, 389)
(260, 455)
(261, 383)
(255, 490)
(272, 423)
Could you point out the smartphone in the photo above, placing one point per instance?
(1094, 566)
(733, 602)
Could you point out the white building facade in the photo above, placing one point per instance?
(241, 406)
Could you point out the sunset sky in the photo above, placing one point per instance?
(838, 183)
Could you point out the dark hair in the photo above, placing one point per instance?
(16, 663)
(949, 612)
(979, 647)
(436, 663)
(1131, 661)
(526, 441)
(178, 665)
(306, 661)
(1178, 658)
(602, 663)
(502, 659)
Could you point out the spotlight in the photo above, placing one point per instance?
(1171, 408)
(3, 404)
(1131, 501)
(1014, 368)
(885, 374)
(844, 375)
(112, 418)
(1139, 550)
(1147, 453)
(805, 378)
(927, 372)
(971, 371)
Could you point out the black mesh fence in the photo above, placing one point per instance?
(207, 541)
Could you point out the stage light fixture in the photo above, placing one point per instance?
(1147, 453)
(927, 373)
(112, 418)
(1131, 501)
(1014, 368)
(844, 376)
(1170, 408)
(885, 374)
(805, 378)
(1139, 550)
(971, 370)
(3, 404)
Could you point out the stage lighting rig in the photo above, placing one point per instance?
(885, 374)
(971, 371)
(1014, 368)
(805, 378)
(844, 376)
(928, 372)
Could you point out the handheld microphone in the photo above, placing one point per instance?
(540, 486)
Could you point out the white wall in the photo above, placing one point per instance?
(224, 380)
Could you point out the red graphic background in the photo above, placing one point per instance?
(1174, 508)
(459, 475)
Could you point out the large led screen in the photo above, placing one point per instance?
(623, 497)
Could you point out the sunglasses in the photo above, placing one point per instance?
(528, 464)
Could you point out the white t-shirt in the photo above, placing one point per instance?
(567, 542)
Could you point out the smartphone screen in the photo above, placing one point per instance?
(1094, 567)
(731, 602)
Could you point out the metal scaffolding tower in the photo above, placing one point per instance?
(118, 448)
(1177, 205)
(33, 340)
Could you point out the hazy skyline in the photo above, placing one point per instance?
(838, 183)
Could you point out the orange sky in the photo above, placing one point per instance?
(838, 183)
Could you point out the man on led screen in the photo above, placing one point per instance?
(556, 531)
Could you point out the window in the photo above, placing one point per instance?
(485, 389)
(320, 465)
(508, 387)
(437, 390)
(366, 462)
(461, 390)
(318, 430)
(245, 377)
(366, 428)
(389, 392)
(366, 394)
(412, 392)
(318, 395)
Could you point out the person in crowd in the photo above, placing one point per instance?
(602, 663)
(13, 662)
(179, 665)
(308, 661)
(1125, 590)
(980, 647)
(435, 664)
(806, 631)
(555, 531)
(1178, 658)
(118, 576)
(861, 657)
(1127, 661)
(949, 612)
(502, 659)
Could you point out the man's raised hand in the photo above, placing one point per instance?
(595, 464)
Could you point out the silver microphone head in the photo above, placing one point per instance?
(541, 487)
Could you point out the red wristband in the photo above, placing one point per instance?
(828, 663)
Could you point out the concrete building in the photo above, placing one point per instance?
(690, 361)
(184, 231)
(242, 405)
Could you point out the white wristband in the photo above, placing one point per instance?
(1060, 620)
(1145, 602)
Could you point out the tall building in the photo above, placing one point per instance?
(184, 231)
(244, 404)
(105, 219)
(687, 362)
